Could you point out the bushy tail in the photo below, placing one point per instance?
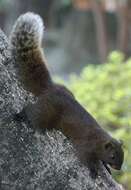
(25, 42)
(27, 32)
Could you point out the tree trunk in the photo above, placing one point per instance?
(123, 29)
(101, 32)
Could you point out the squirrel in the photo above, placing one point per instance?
(56, 107)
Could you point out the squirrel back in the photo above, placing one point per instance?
(25, 43)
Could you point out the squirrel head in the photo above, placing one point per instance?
(113, 153)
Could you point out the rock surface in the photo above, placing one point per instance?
(31, 159)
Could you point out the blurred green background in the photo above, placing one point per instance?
(104, 90)
(88, 47)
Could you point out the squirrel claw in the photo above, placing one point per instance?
(107, 168)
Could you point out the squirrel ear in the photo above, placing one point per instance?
(108, 145)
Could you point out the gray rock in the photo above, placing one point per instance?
(31, 159)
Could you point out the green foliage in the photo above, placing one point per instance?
(105, 91)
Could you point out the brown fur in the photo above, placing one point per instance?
(57, 108)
